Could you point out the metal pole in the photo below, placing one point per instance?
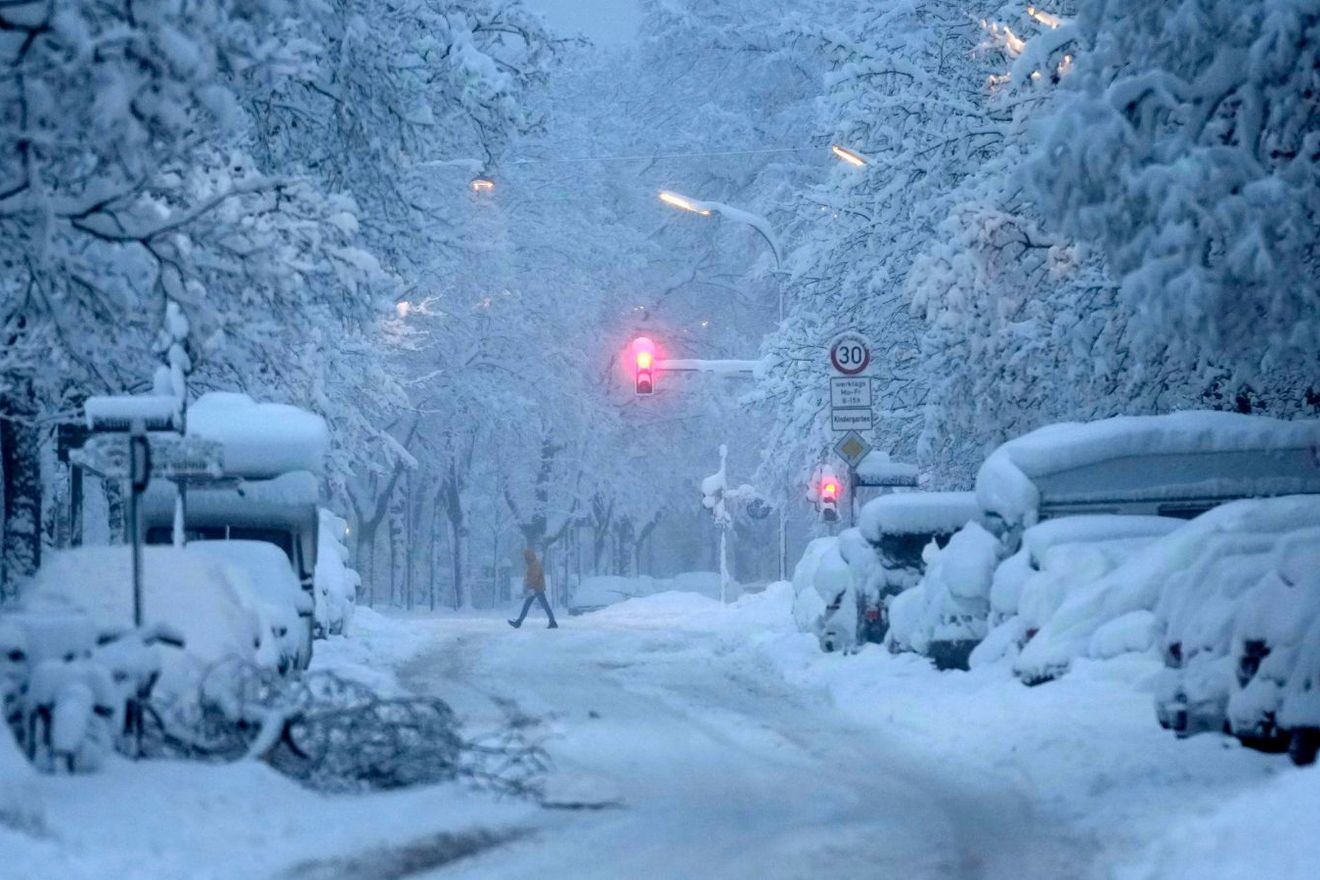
(783, 544)
(75, 505)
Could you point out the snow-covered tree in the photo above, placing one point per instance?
(1185, 143)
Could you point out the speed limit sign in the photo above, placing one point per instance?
(850, 355)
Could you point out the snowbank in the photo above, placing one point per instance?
(600, 591)
(1175, 456)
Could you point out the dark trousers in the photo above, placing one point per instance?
(536, 596)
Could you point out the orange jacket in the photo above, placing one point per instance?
(534, 579)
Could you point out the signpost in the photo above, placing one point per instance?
(851, 405)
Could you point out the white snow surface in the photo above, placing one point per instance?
(734, 749)
(261, 440)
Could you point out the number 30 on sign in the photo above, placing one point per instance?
(850, 355)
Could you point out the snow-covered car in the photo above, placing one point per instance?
(261, 573)
(1136, 586)
(899, 526)
(1268, 636)
(1057, 557)
(335, 583)
(1179, 464)
(185, 591)
(1196, 613)
(1299, 710)
(945, 615)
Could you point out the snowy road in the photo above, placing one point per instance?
(733, 748)
(722, 767)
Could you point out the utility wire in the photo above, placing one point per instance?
(655, 156)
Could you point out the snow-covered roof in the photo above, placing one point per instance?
(1170, 458)
(911, 513)
(261, 440)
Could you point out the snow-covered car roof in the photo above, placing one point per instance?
(918, 513)
(1174, 458)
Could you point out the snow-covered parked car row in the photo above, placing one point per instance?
(1194, 534)
(263, 571)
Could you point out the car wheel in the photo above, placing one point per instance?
(1304, 745)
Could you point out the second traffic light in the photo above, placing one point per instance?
(643, 352)
(829, 497)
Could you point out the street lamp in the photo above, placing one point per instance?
(847, 155)
(756, 221)
(762, 226)
(482, 184)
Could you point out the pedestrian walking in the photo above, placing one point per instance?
(534, 586)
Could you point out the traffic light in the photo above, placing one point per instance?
(829, 497)
(643, 352)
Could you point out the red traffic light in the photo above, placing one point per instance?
(643, 351)
(829, 491)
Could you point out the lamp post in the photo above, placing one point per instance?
(762, 226)
(756, 221)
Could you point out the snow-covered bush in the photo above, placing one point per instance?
(1183, 142)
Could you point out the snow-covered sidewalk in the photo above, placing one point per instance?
(717, 742)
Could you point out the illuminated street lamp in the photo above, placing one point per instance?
(670, 198)
(482, 184)
(849, 156)
(757, 222)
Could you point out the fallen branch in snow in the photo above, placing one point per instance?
(334, 734)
